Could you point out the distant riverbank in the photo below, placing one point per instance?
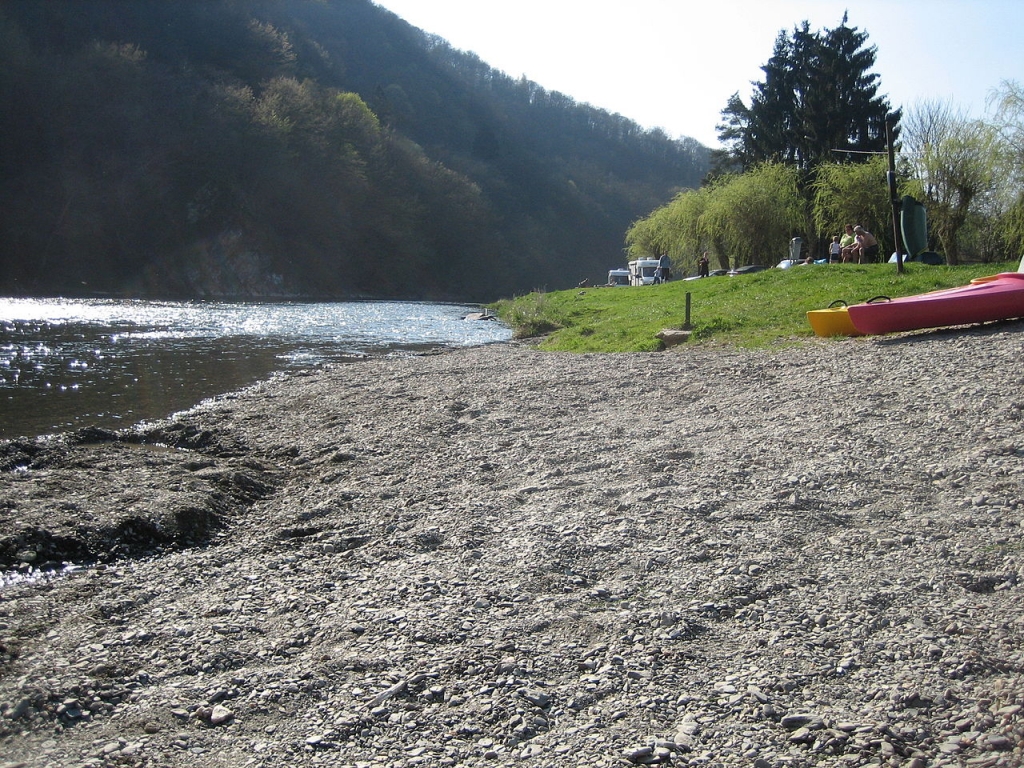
(490, 555)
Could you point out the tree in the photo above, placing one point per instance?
(753, 216)
(674, 229)
(330, 144)
(851, 193)
(742, 219)
(1010, 122)
(959, 161)
(818, 102)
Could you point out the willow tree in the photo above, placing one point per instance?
(673, 229)
(754, 215)
(855, 193)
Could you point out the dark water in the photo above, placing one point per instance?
(66, 364)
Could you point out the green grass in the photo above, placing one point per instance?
(757, 310)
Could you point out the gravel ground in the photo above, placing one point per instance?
(496, 556)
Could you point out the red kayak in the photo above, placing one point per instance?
(998, 297)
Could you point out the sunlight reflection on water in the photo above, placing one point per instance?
(68, 363)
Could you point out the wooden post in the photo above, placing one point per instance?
(686, 325)
(896, 204)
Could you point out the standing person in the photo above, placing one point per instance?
(664, 268)
(835, 250)
(866, 247)
(703, 266)
(848, 242)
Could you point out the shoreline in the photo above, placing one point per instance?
(804, 556)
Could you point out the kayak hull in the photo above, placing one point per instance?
(998, 297)
(834, 321)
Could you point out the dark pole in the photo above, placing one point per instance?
(896, 205)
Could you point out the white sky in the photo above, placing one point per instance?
(674, 63)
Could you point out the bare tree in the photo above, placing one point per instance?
(959, 162)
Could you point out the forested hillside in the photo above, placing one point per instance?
(307, 148)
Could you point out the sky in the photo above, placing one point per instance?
(673, 64)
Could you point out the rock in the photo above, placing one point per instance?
(671, 336)
(640, 755)
(20, 709)
(532, 751)
(535, 697)
(998, 741)
(221, 715)
(796, 721)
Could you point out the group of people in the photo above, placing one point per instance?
(856, 246)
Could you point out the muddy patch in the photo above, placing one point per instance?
(78, 499)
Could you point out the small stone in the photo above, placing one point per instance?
(811, 722)
(535, 697)
(221, 715)
(757, 693)
(998, 742)
(639, 754)
(801, 735)
(533, 750)
(687, 727)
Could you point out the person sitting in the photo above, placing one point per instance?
(866, 248)
(847, 243)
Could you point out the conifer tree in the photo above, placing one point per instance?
(818, 102)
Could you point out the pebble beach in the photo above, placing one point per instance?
(810, 555)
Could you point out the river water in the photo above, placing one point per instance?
(66, 364)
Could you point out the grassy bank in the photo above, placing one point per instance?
(747, 310)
